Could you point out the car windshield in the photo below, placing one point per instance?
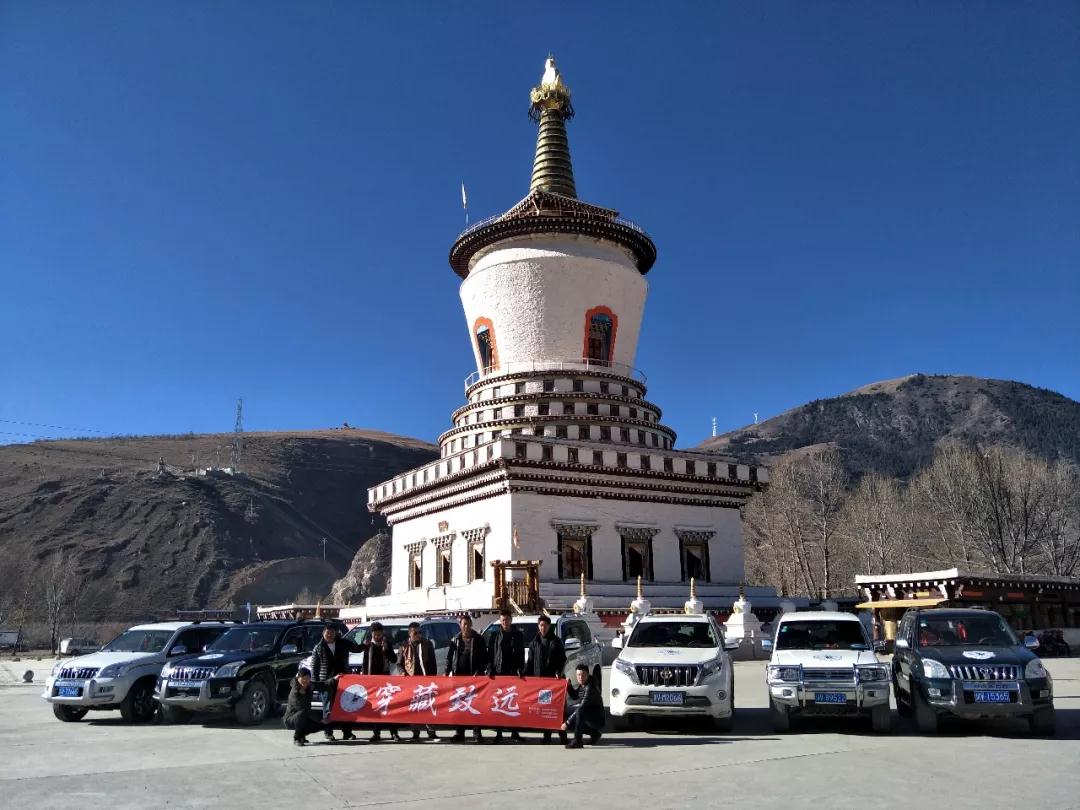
(144, 641)
(818, 635)
(955, 631)
(398, 634)
(246, 639)
(672, 634)
(529, 631)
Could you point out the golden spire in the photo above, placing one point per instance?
(639, 592)
(318, 609)
(550, 107)
(693, 589)
(583, 584)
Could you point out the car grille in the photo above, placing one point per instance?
(829, 675)
(191, 673)
(666, 675)
(78, 673)
(985, 672)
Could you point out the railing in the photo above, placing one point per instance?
(488, 220)
(530, 366)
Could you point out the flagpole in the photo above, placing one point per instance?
(465, 203)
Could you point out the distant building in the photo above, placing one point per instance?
(557, 466)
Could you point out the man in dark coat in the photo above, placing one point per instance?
(466, 656)
(546, 656)
(418, 661)
(584, 708)
(298, 712)
(507, 657)
(330, 659)
(378, 658)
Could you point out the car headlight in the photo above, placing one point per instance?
(873, 672)
(934, 669)
(627, 669)
(710, 668)
(59, 665)
(112, 671)
(1035, 670)
(228, 670)
(783, 674)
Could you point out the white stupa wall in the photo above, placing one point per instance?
(535, 290)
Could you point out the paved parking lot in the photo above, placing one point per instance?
(101, 762)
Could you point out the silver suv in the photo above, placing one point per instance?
(121, 675)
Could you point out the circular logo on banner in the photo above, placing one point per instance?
(353, 698)
(978, 655)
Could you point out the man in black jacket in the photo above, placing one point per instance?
(507, 657)
(466, 656)
(546, 657)
(418, 661)
(584, 708)
(329, 659)
(298, 713)
(378, 658)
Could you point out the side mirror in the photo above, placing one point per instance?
(617, 643)
(572, 645)
(766, 644)
(881, 645)
(289, 649)
(901, 644)
(1031, 642)
(178, 649)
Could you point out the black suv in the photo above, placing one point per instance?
(968, 664)
(247, 670)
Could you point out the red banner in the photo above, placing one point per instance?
(505, 702)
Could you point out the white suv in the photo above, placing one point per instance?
(823, 664)
(121, 675)
(673, 665)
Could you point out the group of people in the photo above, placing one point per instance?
(468, 655)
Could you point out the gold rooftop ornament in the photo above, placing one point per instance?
(640, 595)
(550, 107)
(582, 594)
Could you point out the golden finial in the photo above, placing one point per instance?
(318, 609)
(639, 592)
(549, 106)
(583, 584)
(693, 589)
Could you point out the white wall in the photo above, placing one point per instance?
(537, 289)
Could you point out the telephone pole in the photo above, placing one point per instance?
(238, 436)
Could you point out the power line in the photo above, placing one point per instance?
(54, 427)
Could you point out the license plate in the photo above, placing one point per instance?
(830, 697)
(196, 685)
(992, 697)
(69, 691)
(667, 698)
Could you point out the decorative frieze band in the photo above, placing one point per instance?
(414, 548)
(443, 540)
(475, 536)
(636, 532)
(694, 535)
(574, 528)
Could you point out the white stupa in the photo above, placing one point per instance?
(557, 467)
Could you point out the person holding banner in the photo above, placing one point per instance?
(298, 713)
(507, 657)
(584, 708)
(418, 660)
(378, 656)
(329, 660)
(546, 658)
(467, 656)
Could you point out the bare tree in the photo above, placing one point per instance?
(1059, 546)
(874, 522)
(947, 493)
(60, 589)
(823, 485)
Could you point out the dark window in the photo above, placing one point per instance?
(543, 408)
(753, 473)
(694, 559)
(519, 410)
(669, 465)
(601, 330)
(519, 450)
(477, 561)
(637, 559)
(732, 471)
(574, 557)
(496, 413)
(620, 459)
(614, 410)
(567, 407)
(624, 435)
(560, 431)
(592, 408)
(549, 385)
(646, 462)
(625, 391)
(546, 452)
(571, 455)
(633, 413)
(598, 458)
(579, 385)
(416, 570)
(603, 388)
(519, 388)
(485, 342)
(605, 433)
(710, 470)
(515, 431)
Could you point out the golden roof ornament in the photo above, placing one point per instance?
(693, 589)
(640, 594)
(582, 594)
(550, 107)
(318, 609)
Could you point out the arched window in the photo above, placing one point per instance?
(600, 327)
(485, 343)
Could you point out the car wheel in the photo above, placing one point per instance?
(881, 719)
(1044, 722)
(139, 704)
(724, 723)
(903, 701)
(254, 706)
(69, 714)
(780, 716)
(175, 714)
(926, 719)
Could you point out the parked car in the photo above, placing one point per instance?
(78, 646)
(246, 671)
(968, 664)
(121, 675)
(438, 631)
(577, 638)
(823, 664)
(673, 666)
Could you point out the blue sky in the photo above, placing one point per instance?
(206, 200)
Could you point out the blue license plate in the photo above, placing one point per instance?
(69, 691)
(667, 698)
(196, 685)
(830, 697)
(992, 697)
